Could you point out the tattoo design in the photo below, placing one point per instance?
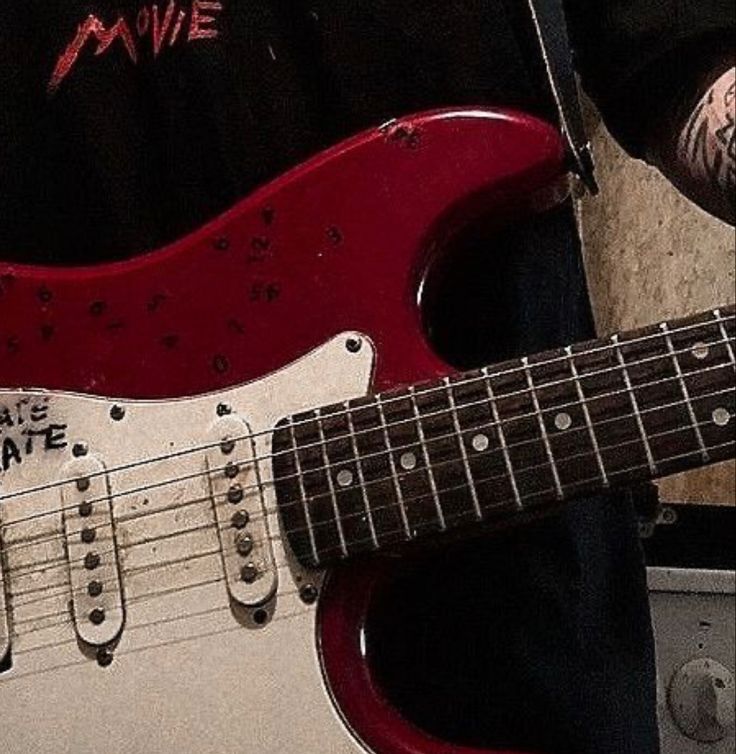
(708, 142)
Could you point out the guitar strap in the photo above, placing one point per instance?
(551, 30)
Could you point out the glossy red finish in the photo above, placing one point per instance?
(340, 243)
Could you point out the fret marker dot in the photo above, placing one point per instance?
(722, 416)
(345, 478)
(563, 421)
(408, 461)
(481, 443)
(701, 351)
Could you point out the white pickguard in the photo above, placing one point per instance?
(189, 673)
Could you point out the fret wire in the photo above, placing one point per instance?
(392, 464)
(461, 442)
(594, 373)
(251, 436)
(302, 489)
(685, 391)
(328, 475)
(586, 414)
(604, 448)
(542, 427)
(637, 467)
(525, 469)
(635, 404)
(359, 468)
(425, 452)
(671, 431)
(724, 335)
(502, 440)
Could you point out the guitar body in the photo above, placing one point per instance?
(306, 293)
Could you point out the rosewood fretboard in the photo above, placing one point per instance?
(514, 438)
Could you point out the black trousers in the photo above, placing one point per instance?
(537, 638)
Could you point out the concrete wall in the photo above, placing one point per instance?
(652, 255)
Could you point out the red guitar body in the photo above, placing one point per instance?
(341, 243)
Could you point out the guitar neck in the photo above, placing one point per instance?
(516, 438)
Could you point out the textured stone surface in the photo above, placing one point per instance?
(652, 255)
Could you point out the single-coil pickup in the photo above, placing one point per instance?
(94, 574)
(241, 514)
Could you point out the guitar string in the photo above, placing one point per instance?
(11, 677)
(301, 613)
(493, 508)
(716, 322)
(254, 460)
(63, 537)
(217, 527)
(35, 540)
(139, 598)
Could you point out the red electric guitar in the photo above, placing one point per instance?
(190, 441)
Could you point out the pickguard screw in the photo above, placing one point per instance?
(354, 344)
(224, 410)
(80, 449)
(83, 484)
(94, 588)
(104, 658)
(260, 617)
(309, 594)
(85, 509)
(232, 470)
(117, 413)
(97, 616)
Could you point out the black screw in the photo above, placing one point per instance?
(235, 494)
(97, 616)
(240, 519)
(232, 470)
(117, 413)
(249, 573)
(80, 449)
(104, 658)
(85, 509)
(88, 535)
(83, 484)
(222, 243)
(94, 588)
(309, 594)
(244, 545)
(354, 345)
(224, 410)
(260, 617)
(91, 561)
(227, 446)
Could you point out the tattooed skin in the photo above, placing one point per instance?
(706, 150)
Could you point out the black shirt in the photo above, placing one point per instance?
(123, 127)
